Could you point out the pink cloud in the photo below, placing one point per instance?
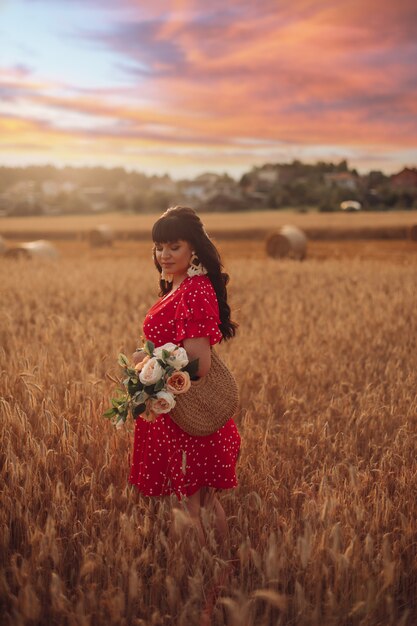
(301, 72)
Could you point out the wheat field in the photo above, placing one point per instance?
(125, 224)
(323, 519)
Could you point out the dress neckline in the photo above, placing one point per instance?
(171, 293)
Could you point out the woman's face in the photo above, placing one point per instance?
(174, 256)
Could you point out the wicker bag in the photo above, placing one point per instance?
(209, 403)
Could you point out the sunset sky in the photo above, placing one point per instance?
(189, 86)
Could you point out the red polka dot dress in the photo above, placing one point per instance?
(166, 459)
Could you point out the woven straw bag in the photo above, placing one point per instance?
(209, 403)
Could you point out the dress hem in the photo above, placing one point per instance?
(181, 495)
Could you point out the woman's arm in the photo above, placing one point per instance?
(199, 348)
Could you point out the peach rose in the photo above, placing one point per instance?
(139, 366)
(151, 372)
(163, 402)
(149, 416)
(178, 382)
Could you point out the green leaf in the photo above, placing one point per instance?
(131, 371)
(169, 370)
(138, 410)
(133, 386)
(123, 360)
(149, 347)
(123, 409)
(159, 385)
(165, 354)
(192, 367)
(110, 413)
(116, 402)
(139, 398)
(161, 363)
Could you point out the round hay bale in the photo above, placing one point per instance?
(413, 232)
(350, 205)
(288, 242)
(102, 235)
(40, 249)
(2, 245)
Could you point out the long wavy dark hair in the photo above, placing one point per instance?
(183, 223)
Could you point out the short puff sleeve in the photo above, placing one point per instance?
(197, 312)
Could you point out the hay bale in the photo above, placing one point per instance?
(413, 232)
(40, 249)
(2, 245)
(102, 235)
(350, 205)
(288, 242)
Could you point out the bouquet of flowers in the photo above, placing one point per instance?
(150, 387)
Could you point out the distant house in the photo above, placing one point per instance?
(343, 180)
(51, 188)
(268, 175)
(208, 179)
(126, 189)
(226, 187)
(195, 191)
(21, 198)
(163, 184)
(260, 180)
(405, 179)
(25, 190)
(96, 197)
(207, 186)
(257, 198)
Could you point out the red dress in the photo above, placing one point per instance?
(166, 459)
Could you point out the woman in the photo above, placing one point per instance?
(193, 312)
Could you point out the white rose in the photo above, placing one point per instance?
(151, 372)
(163, 402)
(169, 347)
(178, 359)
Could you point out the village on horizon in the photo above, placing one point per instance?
(49, 190)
